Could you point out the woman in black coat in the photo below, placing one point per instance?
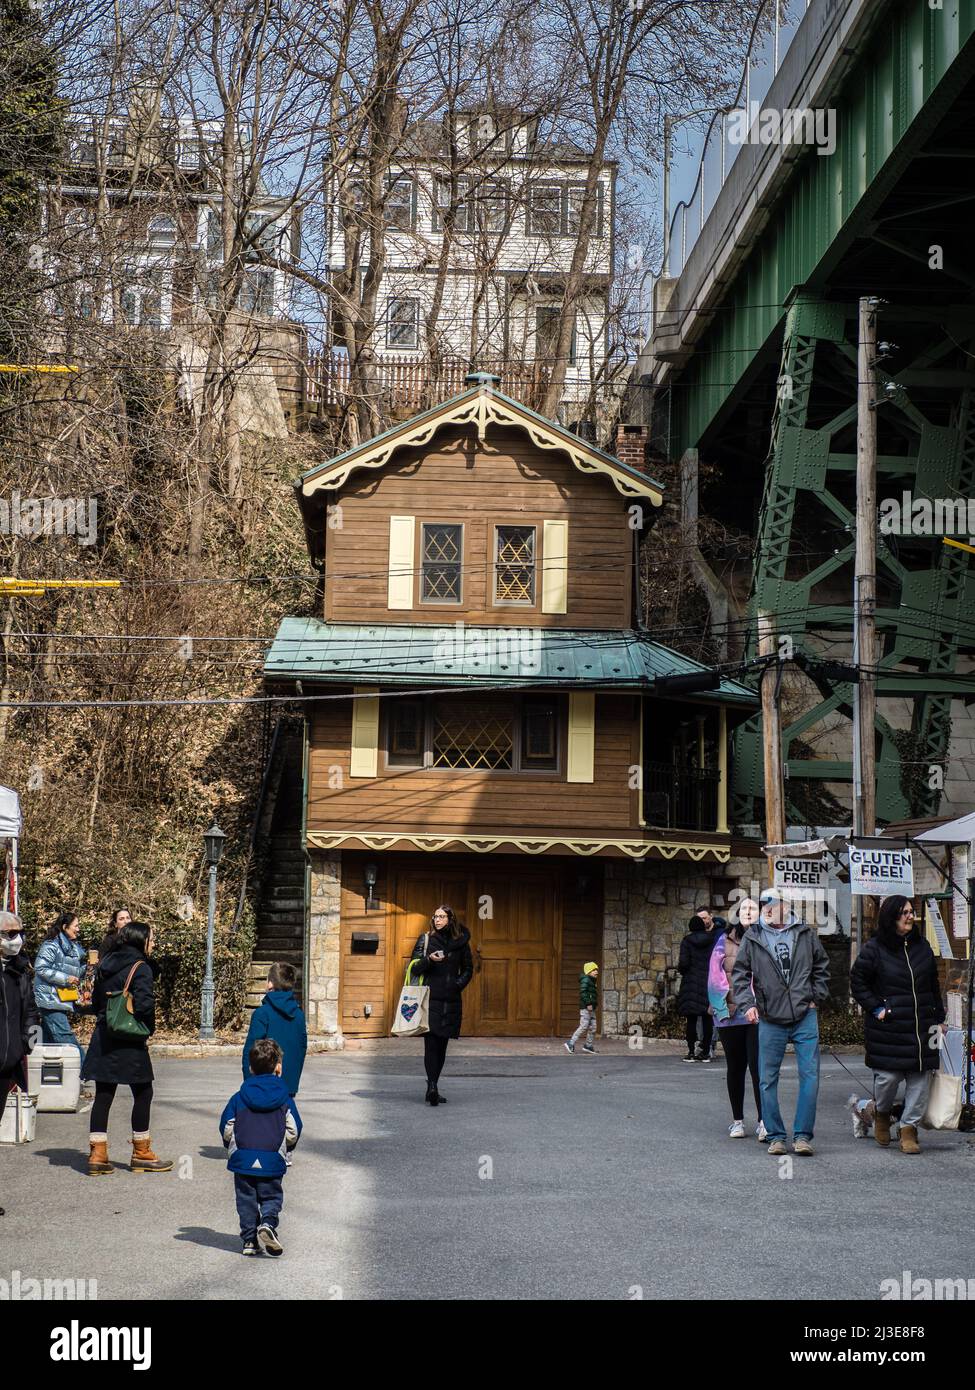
(20, 1021)
(895, 981)
(692, 998)
(445, 964)
(114, 1061)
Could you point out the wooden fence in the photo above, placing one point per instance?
(412, 384)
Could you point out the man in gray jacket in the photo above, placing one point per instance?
(780, 976)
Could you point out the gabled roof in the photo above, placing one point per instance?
(482, 404)
(419, 654)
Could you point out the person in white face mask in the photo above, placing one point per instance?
(20, 1024)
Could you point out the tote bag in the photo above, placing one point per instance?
(943, 1110)
(120, 1020)
(413, 1009)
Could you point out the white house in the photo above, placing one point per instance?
(516, 202)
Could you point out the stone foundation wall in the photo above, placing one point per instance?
(646, 910)
(324, 937)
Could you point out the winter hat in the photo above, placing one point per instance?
(589, 967)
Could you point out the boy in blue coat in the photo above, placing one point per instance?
(260, 1126)
(280, 1017)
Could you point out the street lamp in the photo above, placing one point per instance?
(213, 847)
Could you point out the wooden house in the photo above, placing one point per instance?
(487, 725)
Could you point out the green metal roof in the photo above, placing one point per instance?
(424, 654)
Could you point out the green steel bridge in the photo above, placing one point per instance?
(752, 363)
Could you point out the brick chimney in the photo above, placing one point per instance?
(631, 445)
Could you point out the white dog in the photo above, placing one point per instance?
(863, 1112)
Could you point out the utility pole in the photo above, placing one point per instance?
(865, 593)
(771, 736)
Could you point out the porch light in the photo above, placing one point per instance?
(370, 873)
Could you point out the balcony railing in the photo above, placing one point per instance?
(416, 383)
(680, 798)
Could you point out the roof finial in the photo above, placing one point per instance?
(484, 379)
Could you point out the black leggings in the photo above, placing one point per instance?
(105, 1094)
(434, 1055)
(740, 1042)
(692, 1031)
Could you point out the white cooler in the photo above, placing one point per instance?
(19, 1119)
(54, 1076)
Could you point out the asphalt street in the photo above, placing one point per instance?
(544, 1177)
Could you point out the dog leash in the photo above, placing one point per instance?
(852, 1077)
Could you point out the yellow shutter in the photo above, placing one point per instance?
(555, 572)
(364, 760)
(402, 530)
(582, 736)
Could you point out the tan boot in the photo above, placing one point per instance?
(145, 1161)
(909, 1144)
(881, 1129)
(98, 1163)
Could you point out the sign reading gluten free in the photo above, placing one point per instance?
(800, 873)
(877, 872)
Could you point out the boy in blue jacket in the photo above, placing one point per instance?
(280, 1017)
(260, 1126)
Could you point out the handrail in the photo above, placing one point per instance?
(684, 206)
(255, 823)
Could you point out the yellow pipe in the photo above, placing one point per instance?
(960, 545)
(37, 367)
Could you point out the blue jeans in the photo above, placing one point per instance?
(259, 1203)
(56, 1028)
(772, 1038)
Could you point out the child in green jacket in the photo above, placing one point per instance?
(588, 998)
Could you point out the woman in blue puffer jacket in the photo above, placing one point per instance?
(59, 970)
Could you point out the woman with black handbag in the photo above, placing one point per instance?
(444, 960)
(123, 1002)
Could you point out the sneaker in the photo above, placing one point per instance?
(267, 1238)
(704, 1057)
(803, 1147)
(588, 1047)
(737, 1130)
(250, 1248)
(761, 1133)
(570, 1047)
(778, 1148)
(691, 1057)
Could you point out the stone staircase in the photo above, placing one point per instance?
(281, 906)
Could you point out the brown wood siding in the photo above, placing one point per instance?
(581, 939)
(429, 801)
(363, 977)
(367, 979)
(456, 479)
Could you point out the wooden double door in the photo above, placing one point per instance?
(514, 918)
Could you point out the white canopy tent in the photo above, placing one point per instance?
(11, 825)
(954, 832)
(10, 819)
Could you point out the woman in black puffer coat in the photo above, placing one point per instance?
(114, 1061)
(445, 964)
(895, 981)
(692, 998)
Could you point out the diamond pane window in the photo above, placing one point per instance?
(514, 564)
(473, 736)
(441, 564)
